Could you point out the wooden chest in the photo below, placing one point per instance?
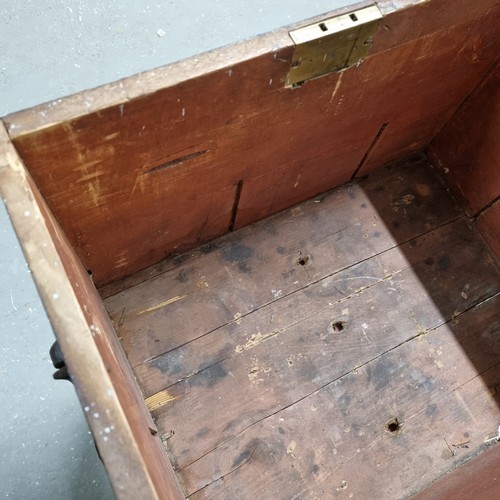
(273, 269)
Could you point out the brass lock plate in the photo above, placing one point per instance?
(332, 45)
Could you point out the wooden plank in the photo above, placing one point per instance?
(478, 479)
(255, 353)
(140, 170)
(488, 224)
(403, 225)
(134, 459)
(216, 345)
(214, 382)
(255, 266)
(338, 440)
(467, 149)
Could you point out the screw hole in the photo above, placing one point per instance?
(337, 326)
(393, 426)
(354, 17)
(323, 27)
(303, 260)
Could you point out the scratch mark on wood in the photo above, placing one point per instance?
(461, 400)
(176, 161)
(162, 304)
(158, 400)
(109, 137)
(337, 86)
(255, 340)
(92, 175)
(93, 189)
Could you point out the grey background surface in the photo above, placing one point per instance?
(48, 49)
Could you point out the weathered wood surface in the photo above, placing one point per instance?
(336, 441)
(488, 224)
(115, 411)
(227, 279)
(478, 479)
(276, 353)
(152, 165)
(467, 149)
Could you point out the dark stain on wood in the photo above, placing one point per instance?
(275, 368)
(444, 263)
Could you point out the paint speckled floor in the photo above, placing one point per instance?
(48, 49)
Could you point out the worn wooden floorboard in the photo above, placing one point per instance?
(278, 353)
(236, 275)
(337, 441)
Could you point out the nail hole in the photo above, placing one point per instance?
(303, 260)
(337, 326)
(354, 17)
(323, 27)
(393, 426)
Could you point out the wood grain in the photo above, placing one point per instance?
(467, 149)
(478, 479)
(140, 169)
(488, 224)
(134, 459)
(238, 274)
(337, 441)
(392, 306)
(375, 301)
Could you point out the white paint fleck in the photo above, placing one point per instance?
(96, 415)
(270, 82)
(364, 326)
(27, 213)
(95, 330)
(55, 296)
(229, 72)
(121, 106)
(105, 438)
(183, 111)
(107, 430)
(161, 33)
(276, 293)
(86, 408)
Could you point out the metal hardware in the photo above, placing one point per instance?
(332, 45)
(57, 358)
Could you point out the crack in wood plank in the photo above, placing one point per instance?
(337, 379)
